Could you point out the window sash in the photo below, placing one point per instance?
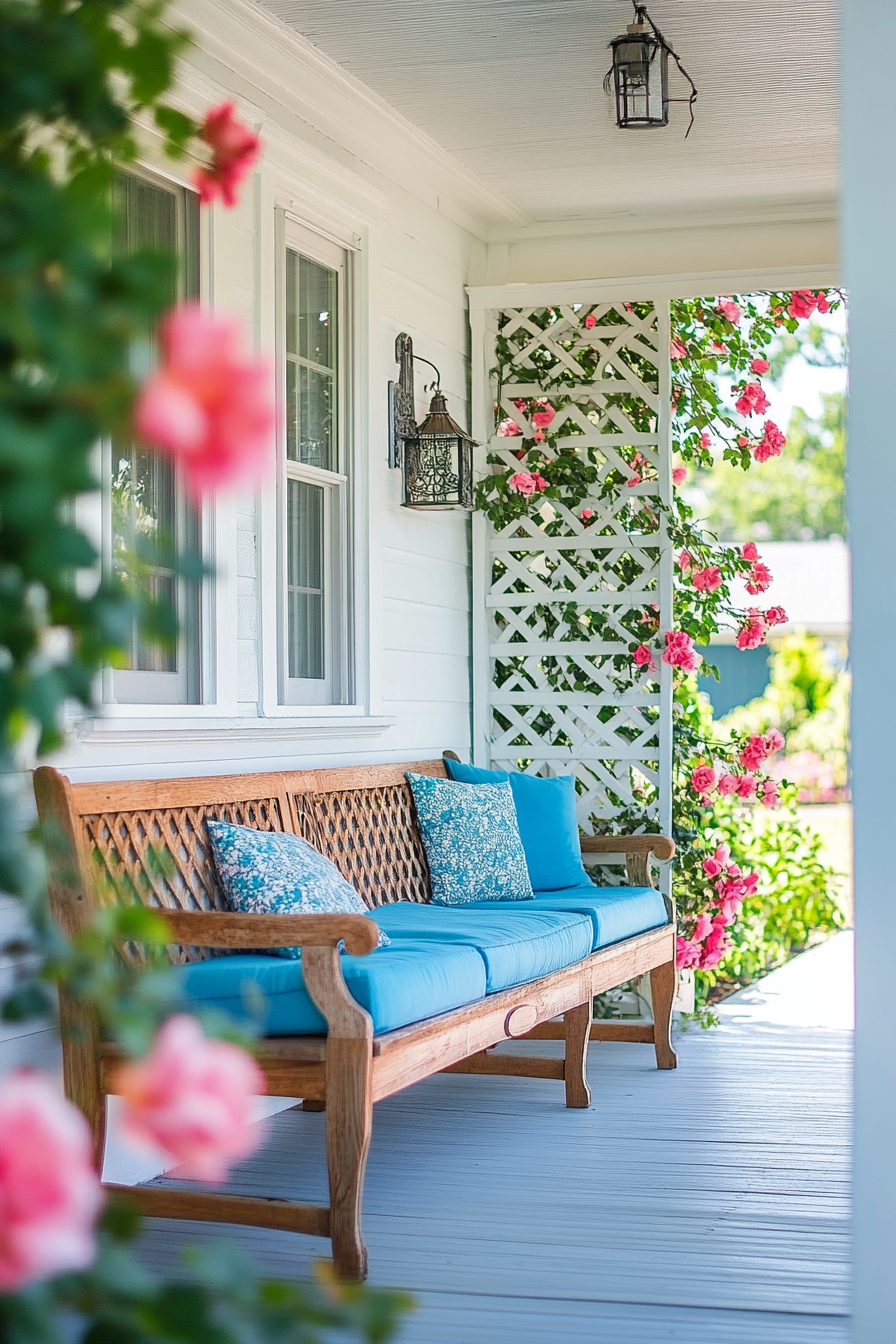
(144, 492)
(315, 495)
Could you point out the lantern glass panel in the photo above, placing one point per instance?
(640, 72)
(438, 472)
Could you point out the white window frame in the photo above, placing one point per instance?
(184, 687)
(336, 687)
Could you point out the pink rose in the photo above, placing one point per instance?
(753, 631)
(208, 404)
(769, 795)
(752, 400)
(746, 786)
(712, 868)
(634, 480)
(508, 429)
(50, 1194)
(538, 436)
(774, 740)
(642, 656)
(703, 779)
(590, 321)
(234, 150)
(776, 616)
(759, 577)
(192, 1097)
(708, 580)
(727, 785)
(541, 419)
(703, 926)
(586, 514)
(687, 953)
(728, 308)
(685, 561)
(754, 753)
(770, 444)
(760, 365)
(523, 482)
(705, 440)
(679, 475)
(680, 651)
(803, 303)
(750, 552)
(677, 349)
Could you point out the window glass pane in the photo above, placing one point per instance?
(147, 503)
(317, 294)
(305, 580)
(311, 341)
(143, 510)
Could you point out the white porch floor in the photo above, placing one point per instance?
(705, 1206)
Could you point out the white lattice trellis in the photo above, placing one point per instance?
(554, 613)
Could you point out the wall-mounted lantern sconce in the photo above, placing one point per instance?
(639, 75)
(435, 458)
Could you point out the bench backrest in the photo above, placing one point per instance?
(147, 839)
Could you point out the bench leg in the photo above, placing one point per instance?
(662, 991)
(349, 1109)
(577, 1031)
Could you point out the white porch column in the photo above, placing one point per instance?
(869, 191)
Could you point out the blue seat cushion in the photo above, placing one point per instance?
(615, 912)
(403, 983)
(516, 942)
(546, 813)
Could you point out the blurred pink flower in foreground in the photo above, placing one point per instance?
(679, 475)
(208, 403)
(192, 1097)
(50, 1194)
(234, 150)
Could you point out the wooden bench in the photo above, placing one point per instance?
(363, 819)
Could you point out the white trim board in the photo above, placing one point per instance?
(633, 288)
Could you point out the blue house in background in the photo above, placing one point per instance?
(743, 673)
(811, 583)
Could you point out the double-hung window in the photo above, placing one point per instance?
(315, 666)
(145, 500)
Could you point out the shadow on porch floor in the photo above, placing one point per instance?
(706, 1206)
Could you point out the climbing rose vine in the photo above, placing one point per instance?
(719, 360)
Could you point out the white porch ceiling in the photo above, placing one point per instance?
(513, 89)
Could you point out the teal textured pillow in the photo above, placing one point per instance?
(472, 841)
(549, 830)
(272, 873)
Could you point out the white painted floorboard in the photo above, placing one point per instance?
(708, 1206)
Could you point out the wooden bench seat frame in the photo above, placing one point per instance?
(349, 1069)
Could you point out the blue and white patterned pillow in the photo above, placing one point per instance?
(472, 841)
(272, 873)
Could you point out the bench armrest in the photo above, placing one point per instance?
(218, 928)
(660, 846)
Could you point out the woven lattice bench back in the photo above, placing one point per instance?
(146, 840)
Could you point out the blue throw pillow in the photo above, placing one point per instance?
(273, 873)
(546, 812)
(472, 841)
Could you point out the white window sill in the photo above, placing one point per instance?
(156, 723)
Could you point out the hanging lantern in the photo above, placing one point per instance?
(639, 75)
(436, 458)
